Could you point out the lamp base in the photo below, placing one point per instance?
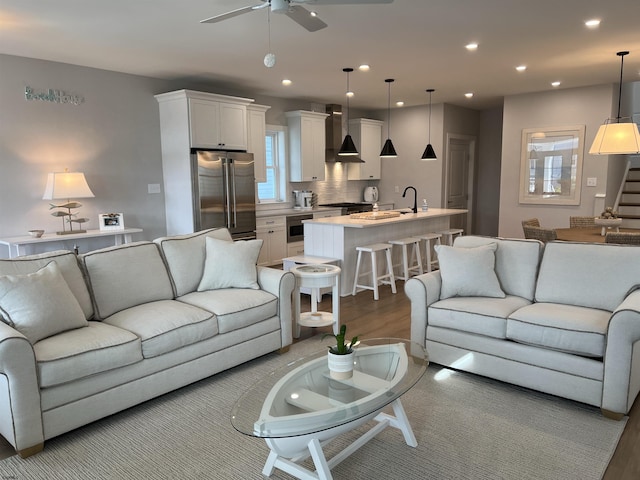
(68, 232)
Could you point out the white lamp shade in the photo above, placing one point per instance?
(66, 185)
(616, 139)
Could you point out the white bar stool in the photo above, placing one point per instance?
(415, 265)
(316, 277)
(448, 236)
(430, 240)
(376, 279)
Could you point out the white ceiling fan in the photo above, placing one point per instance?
(298, 14)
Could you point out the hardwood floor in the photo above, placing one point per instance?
(390, 317)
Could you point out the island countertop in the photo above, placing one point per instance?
(350, 222)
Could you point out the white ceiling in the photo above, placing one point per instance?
(420, 43)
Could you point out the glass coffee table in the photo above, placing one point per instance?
(299, 407)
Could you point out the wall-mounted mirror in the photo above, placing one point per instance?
(551, 165)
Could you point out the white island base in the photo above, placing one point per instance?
(338, 237)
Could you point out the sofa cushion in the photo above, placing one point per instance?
(39, 304)
(234, 307)
(185, 256)
(468, 272)
(165, 325)
(566, 328)
(83, 352)
(481, 315)
(68, 264)
(230, 264)
(588, 274)
(517, 262)
(125, 276)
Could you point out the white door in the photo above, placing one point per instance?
(460, 158)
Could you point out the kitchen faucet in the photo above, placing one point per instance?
(415, 197)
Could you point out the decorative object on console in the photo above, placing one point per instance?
(67, 185)
(608, 219)
(348, 148)
(388, 151)
(111, 221)
(429, 152)
(615, 137)
(340, 356)
(36, 233)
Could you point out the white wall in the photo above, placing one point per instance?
(488, 173)
(587, 106)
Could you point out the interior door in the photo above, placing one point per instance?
(458, 168)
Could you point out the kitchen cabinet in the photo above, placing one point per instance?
(218, 124)
(272, 231)
(256, 132)
(295, 249)
(306, 145)
(367, 136)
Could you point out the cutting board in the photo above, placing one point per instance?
(374, 215)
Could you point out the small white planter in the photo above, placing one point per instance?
(341, 366)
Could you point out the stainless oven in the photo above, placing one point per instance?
(295, 227)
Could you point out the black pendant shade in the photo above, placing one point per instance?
(429, 152)
(348, 148)
(388, 150)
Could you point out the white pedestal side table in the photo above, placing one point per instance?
(315, 277)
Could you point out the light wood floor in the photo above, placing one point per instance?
(390, 317)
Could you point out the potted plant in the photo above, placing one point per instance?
(341, 355)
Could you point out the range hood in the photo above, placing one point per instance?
(333, 131)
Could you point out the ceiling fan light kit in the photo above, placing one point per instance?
(615, 137)
(429, 153)
(388, 150)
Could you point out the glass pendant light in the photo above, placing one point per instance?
(387, 150)
(429, 153)
(615, 137)
(348, 148)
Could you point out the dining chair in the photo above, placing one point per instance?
(629, 238)
(582, 222)
(539, 233)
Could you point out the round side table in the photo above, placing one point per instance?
(316, 277)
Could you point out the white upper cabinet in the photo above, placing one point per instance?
(307, 145)
(218, 124)
(256, 126)
(367, 136)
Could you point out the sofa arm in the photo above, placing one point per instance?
(422, 290)
(280, 284)
(20, 414)
(622, 357)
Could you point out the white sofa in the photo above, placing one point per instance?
(568, 324)
(126, 327)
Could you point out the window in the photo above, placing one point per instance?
(274, 189)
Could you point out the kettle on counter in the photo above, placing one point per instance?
(371, 194)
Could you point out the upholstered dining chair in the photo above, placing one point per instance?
(582, 222)
(630, 238)
(539, 233)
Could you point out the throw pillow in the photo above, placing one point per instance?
(40, 304)
(468, 272)
(230, 264)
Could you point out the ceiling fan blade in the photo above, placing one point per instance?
(303, 17)
(340, 2)
(231, 14)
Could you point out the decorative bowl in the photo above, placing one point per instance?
(36, 233)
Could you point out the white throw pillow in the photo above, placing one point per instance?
(230, 264)
(468, 272)
(40, 304)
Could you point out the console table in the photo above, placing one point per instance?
(18, 243)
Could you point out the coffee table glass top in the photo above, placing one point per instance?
(301, 398)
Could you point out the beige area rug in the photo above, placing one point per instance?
(467, 427)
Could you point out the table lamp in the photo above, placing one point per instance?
(67, 185)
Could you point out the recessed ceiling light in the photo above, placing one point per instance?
(521, 68)
(593, 23)
(286, 82)
(555, 84)
(350, 94)
(469, 94)
(364, 67)
(400, 104)
(313, 14)
(471, 46)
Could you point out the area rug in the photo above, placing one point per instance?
(467, 427)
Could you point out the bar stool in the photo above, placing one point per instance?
(416, 257)
(448, 236)
(430, 239)
(376, 279)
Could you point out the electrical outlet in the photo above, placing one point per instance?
(153, 188)
(396, 189)
(592, 182)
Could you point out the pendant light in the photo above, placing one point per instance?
(429, 153)
(348, 148)
(387, 150)
(618, 138)
(269, 58)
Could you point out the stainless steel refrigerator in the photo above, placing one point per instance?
(224, 192)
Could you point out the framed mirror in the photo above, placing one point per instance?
(551, 165)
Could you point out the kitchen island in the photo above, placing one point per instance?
(338, 237)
